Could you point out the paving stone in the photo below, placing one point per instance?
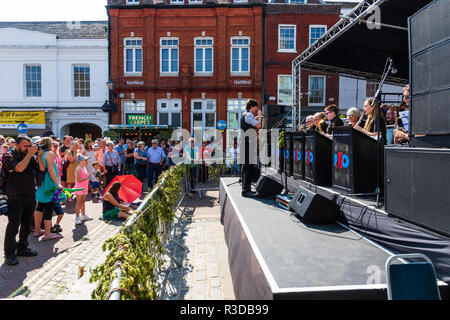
(215, 294)
(200, 275)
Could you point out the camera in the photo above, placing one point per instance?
(3, 204)
(42, 147)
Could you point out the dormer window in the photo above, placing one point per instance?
(176, 1)
(133, 2)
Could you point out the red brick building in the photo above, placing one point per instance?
(290, 29)
(186, 65)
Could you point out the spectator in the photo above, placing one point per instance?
(95, 179)
(111, 162)
(58, 208)
(89, 151)
(234, 152)
(20, 168)
(175, 152)
(4, 150)
(205, 154)
(2, 140)
(129, 158)
(45, 192)
(62, 150)
(155, 156)
(99, 156)
(191, 153)
(112, 207)
(121, 149)
(140, 160)
(82, 182)
(166, 149)
(71, 158)
(12, 144)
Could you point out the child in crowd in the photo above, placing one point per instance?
(95, 179)
(81, 181)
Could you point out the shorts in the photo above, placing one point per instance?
(112, 213)
(58, 209)
(95, 185)
(47, 209)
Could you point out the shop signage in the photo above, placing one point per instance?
(139, 119)
(33, 119)
(135, 82)
(242, 82)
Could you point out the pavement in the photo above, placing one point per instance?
(61, 269)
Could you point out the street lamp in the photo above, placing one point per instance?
(109, 105)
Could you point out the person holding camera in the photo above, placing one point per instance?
(111, 162)
(20, 169)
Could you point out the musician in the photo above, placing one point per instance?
(373, 122)
(331, 112)
(309, 121)
(319, 123)
(353, 116)
(250, 120)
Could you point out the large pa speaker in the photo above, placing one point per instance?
(275, 116)
(267, 187)
(417, 186)
(313, 207)
(429, 42)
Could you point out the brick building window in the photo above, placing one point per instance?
(81, 81)
(133, 2)
(371, 88)
(203, 117)
(235, 108)
(169, 112)
(315, 32)
(195, 1)
(176, 1)
(296, 1)
(132, 107)
(169, 56)
(240, 1)
(285, 89)
(317, 89)
(240, 55)
(33, 81)
(286, 38)
(204, 55)
(133, 56)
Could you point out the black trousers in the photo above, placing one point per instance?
(154, 171)
(141, 169)
(247, 177)
(20, 214)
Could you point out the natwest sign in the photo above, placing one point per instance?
(135, 82)
(241, 82)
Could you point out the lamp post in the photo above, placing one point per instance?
(110, 105)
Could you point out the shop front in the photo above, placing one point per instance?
(80, 123)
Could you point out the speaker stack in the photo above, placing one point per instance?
(417, 178)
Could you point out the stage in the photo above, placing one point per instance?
(274, 255)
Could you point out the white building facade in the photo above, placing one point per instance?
(56, 68)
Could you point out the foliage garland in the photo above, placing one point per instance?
(139, 249)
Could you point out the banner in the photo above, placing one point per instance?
(138, 119)
(33, 119)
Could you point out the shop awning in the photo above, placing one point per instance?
(352, 47)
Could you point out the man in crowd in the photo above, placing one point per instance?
(121, 149)
(20, 168)
(155, 156)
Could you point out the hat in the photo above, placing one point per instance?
(96, 145)
(82, 157)
(35, 139)
(94, 162)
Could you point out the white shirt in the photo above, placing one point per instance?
(250, 119)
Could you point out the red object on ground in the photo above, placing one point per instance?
(130, 190)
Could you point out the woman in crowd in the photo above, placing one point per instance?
(71, 157)
(89, 151)
(174, 152)
(82, 182)
(111, 162)
(205, 153)
(140, 160)
(112, 208)
(45, 192)
(99, 156)
(58, 208)
(129, 158)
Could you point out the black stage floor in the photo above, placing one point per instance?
(274, 255)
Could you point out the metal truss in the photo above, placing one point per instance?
(358, 13)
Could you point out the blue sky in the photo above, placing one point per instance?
(56, 10)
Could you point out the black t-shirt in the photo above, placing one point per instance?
(336, 122)
(379, 124)
(63, 149)
(19, 183)
(130, 159)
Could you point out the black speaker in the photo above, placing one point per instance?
(275, 115)
(417, 184)
(267, 187)
(313, 207)
(429, 50)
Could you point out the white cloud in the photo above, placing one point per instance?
(53, 10)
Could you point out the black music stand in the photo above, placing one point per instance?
(318, 158)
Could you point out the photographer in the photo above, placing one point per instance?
(20, 168)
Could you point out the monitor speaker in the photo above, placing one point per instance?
(267, 187)
(313, 207)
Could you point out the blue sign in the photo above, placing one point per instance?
(22, 128)
(221, 124)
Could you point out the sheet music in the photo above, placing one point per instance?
(404, 115)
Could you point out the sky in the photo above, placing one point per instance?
(57, 10)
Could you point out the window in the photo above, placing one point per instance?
(240, 55)
(133, 1)
(296, 1)
(132, 107)
(371, 88)
(315, 32)
(286, 38)
(203, 117)
(204, 55)
(285, 89)
(176, 1)
(235, 108)
(133, 55)
(169, 56)
(240, 1)
(195, 1)
(81, 81)
(317, 90)
(169, 112)
(33, 81)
